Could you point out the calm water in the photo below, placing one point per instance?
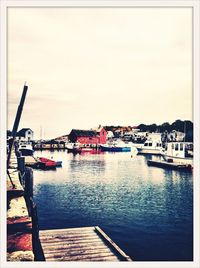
(147, 211)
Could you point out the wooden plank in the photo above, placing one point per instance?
(73, 230)
(85, 242)
(17, 208)
(114, 246)
(69, 237)
(83, 257)
(72, 250)
(73, 246)
(89, 252)
(107, 258)
(65, 239)
(80, 244)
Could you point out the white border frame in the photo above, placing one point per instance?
(195, 4)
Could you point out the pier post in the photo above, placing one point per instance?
(28, 188)
(21, 168)
(37, 248)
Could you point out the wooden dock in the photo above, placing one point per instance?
(80, 244)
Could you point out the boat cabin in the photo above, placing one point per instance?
(176, 149)
(152, 144)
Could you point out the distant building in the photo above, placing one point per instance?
(25, 134)
(88, 137)
(63, 138)
(176, 136)
(110, 134)
(154, 136)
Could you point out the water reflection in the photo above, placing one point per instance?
(146, 210)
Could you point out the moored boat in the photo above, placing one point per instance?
(46, 163)
(116, 146)
(58, 163)
(151, 147)
(26, 148)
(73, 148)
(174, 157)
(176, 152)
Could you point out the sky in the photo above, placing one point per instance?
(90, 66)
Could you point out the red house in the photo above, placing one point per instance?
(88, 137)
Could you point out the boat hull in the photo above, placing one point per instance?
(169, 165)
(26, 152)
(149, 151)
(115, 149)
(178, 160)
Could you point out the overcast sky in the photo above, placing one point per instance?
(91, 66)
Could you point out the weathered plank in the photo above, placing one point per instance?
(72, 250)
(107, 258)
(69, 243)
(20, 256)
(89, 252)
(79, 230)
(17, 208)
(113, 245)
(80, 244)
(70, 239)
(60, 246)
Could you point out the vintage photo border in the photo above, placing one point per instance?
(195, 5)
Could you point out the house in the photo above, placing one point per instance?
(176, 136)
(110, 134)
(154, 136)
(101, 134)
(25, 134)
(88, 137)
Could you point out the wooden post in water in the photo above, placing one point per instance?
(21, 168)
(37, 248)
(28, 188)
(16, 123)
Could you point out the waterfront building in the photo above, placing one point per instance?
(25, 134)
(89, 137)
(176, 136)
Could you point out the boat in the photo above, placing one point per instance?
(169, 165)
(176, 152)
(46, 163)
(116, 146)
(73, 148)
(152, 147)
(58, 163)
(26, 148)
(174, 157)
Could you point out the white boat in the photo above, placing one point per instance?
(151, 147)
(176, 152)
(73, 148)
(116, 146)
(25, 147)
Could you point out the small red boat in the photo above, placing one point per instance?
(47, 163)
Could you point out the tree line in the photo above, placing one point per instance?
(178, 125)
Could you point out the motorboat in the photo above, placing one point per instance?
(26, 148)
(46, 163)
(176, 152)
(73, 148)
(152, 147)
(116, 146)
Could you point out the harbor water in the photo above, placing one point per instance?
(146, 211)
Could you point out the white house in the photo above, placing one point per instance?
(110, 134)
(154, 136)
(25, 134)
(176, 136)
